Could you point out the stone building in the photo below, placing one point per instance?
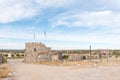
(35, 52)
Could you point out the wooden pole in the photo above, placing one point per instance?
(90, 54)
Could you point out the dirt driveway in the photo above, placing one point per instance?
(24, 71)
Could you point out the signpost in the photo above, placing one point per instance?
(9, 55)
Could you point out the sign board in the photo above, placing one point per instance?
(104, 51)
(9, 55)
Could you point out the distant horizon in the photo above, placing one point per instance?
(66, 49)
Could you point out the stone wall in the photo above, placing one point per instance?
(2, 60)
(35, 52)
(74, 57)
(36, 47)
(59, 55)
(44, 56)
(77, 57)
(54, 57)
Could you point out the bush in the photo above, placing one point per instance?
(84, 57)
(6, 55)
(65, 56)
(22, 55)
(18, 55)
(12, 55)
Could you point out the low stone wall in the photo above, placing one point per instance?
(2, 60)
(77, 57)
(74, 57)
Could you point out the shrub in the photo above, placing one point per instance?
(22, 55)
(6, 55)
(65, 56)
(12, 55)
(18, 55)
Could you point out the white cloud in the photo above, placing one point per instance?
(12, 45)
(13, 10)
(54, 3)
(111, 4)
(88, 19)
(80, 41)
(18, 38)
(95, 38)
(27, 33)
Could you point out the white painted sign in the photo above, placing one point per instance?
(9, 55)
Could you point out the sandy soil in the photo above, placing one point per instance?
(24, 71)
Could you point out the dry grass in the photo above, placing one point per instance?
(4, 70)
(82, 64)
(50, 63)
(67, 63)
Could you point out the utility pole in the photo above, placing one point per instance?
(90, 53)
(107, 54)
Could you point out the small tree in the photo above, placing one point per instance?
(22, 55)
(18, 55)
(5, 55)
(12, 55)
(65, 57)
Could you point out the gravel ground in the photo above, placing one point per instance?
(24, 71)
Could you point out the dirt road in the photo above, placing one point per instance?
(23, 71)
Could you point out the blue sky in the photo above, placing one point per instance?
(69, 24)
